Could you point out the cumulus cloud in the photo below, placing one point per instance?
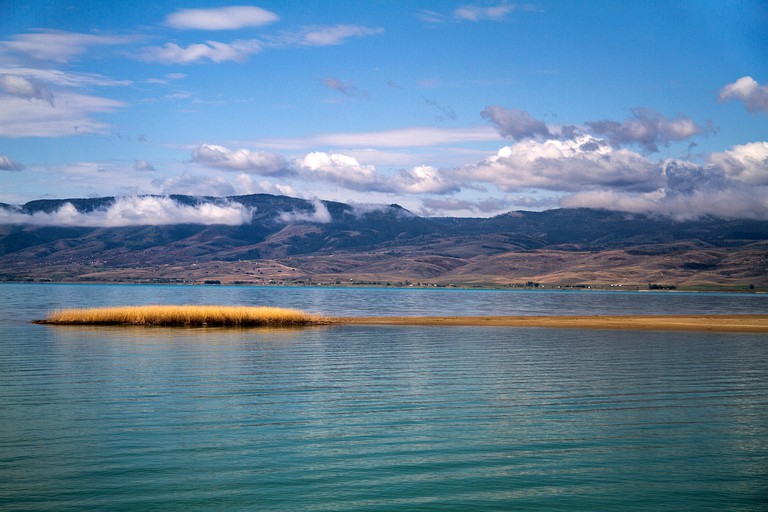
(135, 211)
(340, 169)
(588, 172)
(746, 163)
(214, 51)
(58, 45)
(245, 184)
(732, 184)
(514, 123)
(221, 18)
(423, 179)
(571, 165)
(319, 215)
(24, 88)
(747, 90)
(254, 162)
(649, 129)
(6, 164)
(731, 202)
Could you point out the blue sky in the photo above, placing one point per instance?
(447, 108)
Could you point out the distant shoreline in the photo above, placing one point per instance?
(543, 287)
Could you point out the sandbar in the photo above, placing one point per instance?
(715, 323)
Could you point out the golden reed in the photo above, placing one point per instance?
(185, 316)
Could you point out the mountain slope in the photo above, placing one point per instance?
(294, 240)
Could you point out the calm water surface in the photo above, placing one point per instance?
(380, 418)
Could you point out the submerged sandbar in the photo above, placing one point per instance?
(718, 323)
(264, 316)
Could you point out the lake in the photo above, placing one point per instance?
(373, 418)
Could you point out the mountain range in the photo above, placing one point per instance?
(263, 239)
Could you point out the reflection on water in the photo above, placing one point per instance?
(35, 301)
(376, 418)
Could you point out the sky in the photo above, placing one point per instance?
(447, 108)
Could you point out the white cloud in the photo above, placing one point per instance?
(57, 45)
(319, 215)
(746, 89)
(439, 206)
(195, 185)
(214, 51)
(731, 202)
(135, 211)
(347, 88)
(255, 162)
(63, 114)
(476, 12)
(414, 136)
(429, 16)
(733, 184)
(514, 123)
(649, 129)
(244, 184)
(221, 18)
(583, 162)
(334, 35)
(6, 164)
(240, 49)
(143, 165)
(72, 115)
(747, 163)
(423, 179)
(340, 169)
(25, 88)
(62, 78)
(362, 209)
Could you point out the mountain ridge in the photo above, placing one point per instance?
(291, 240)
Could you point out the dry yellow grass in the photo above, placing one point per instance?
(185, 316)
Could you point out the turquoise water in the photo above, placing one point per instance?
(380, 418)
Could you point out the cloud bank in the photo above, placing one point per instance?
(588, 172)
(135, 211)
